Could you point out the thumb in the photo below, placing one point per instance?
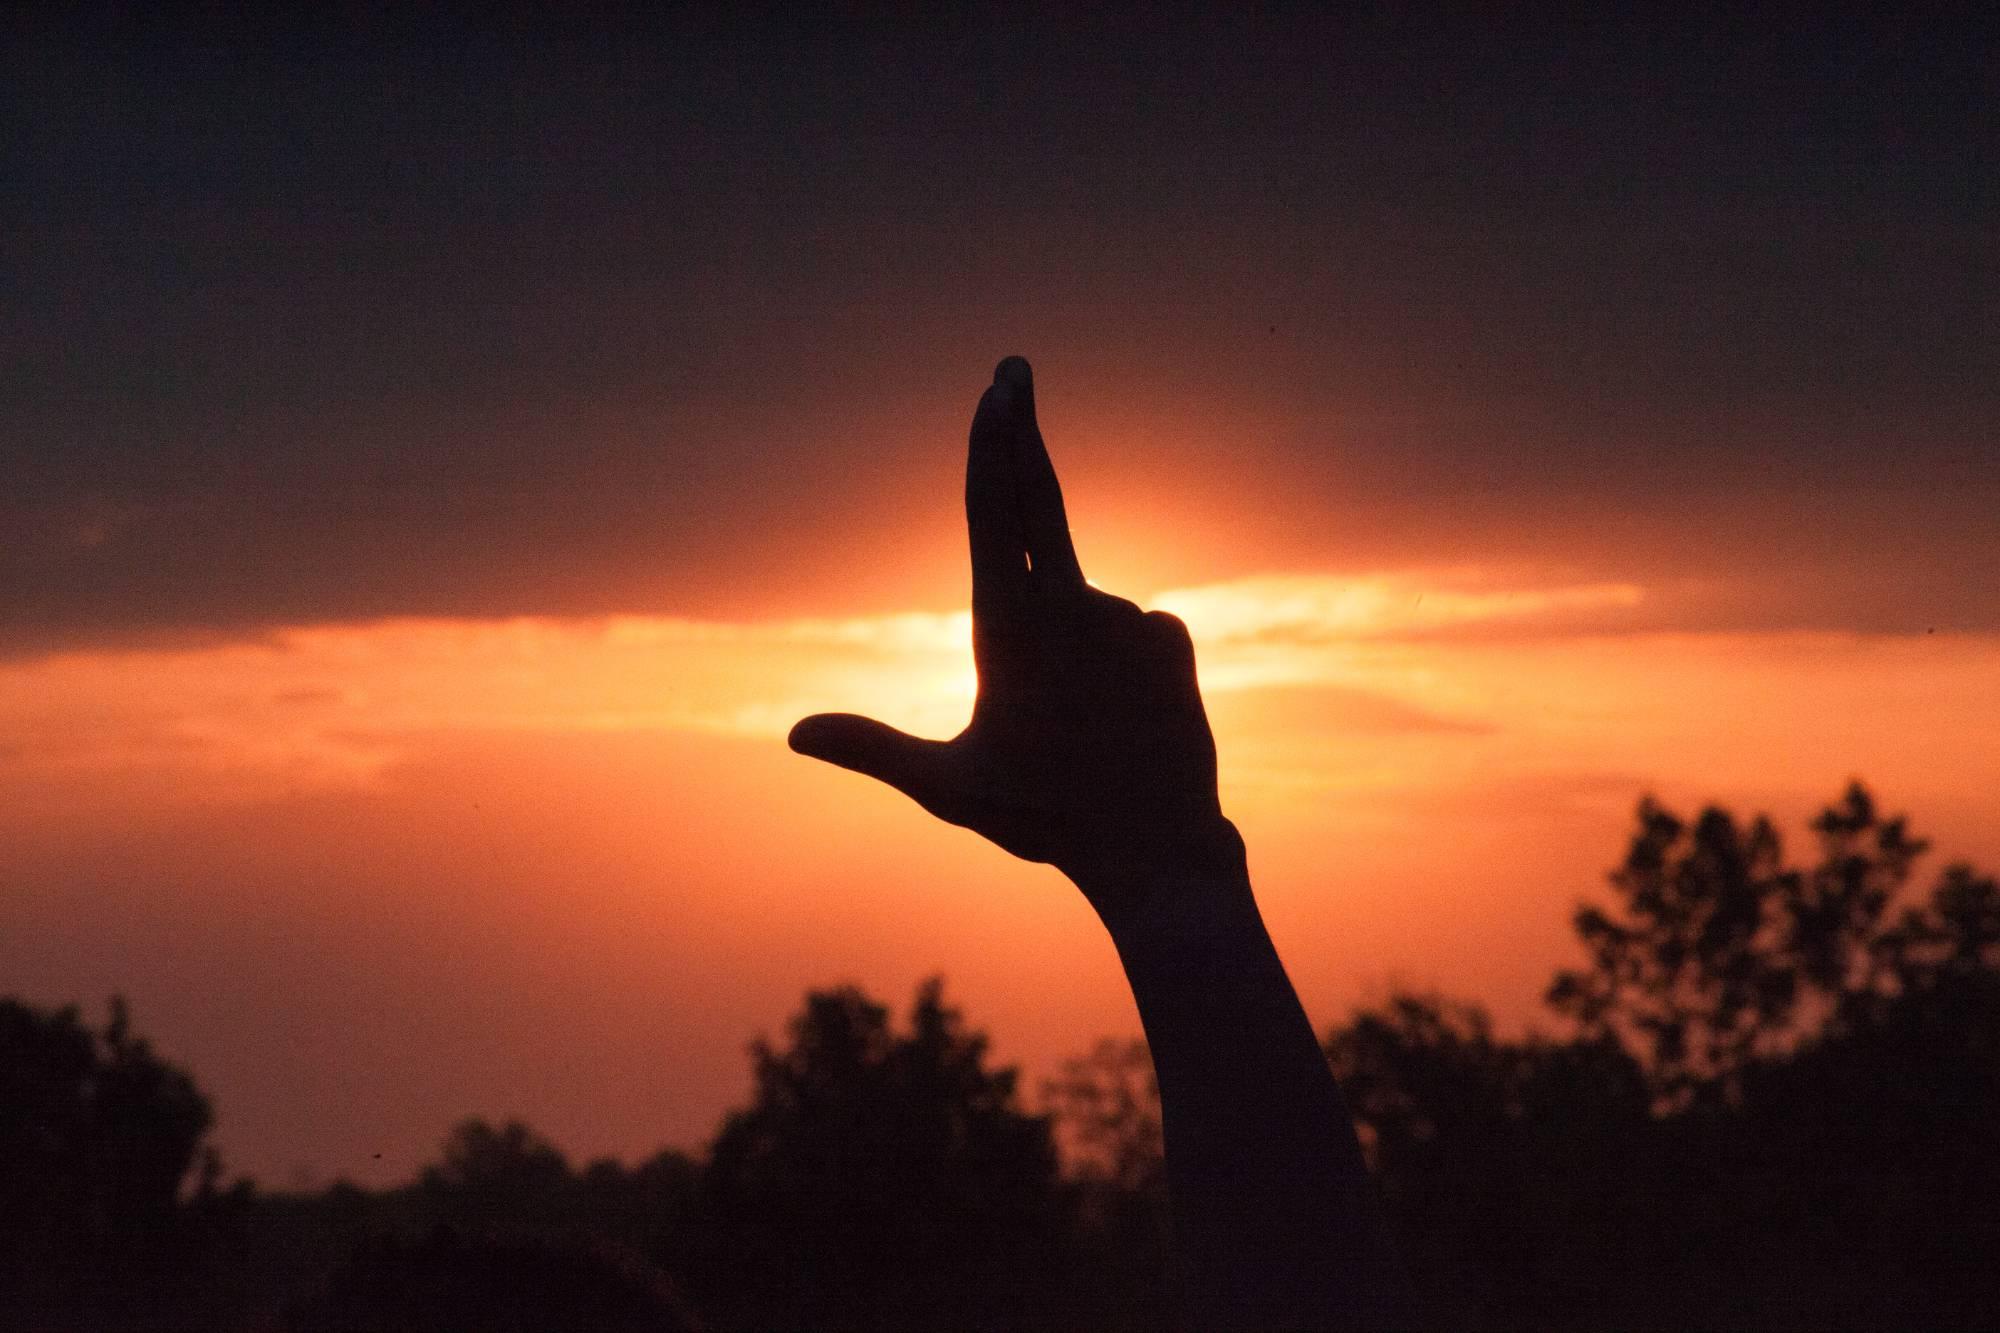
(910, 764)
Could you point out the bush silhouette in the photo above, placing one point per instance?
(97, 1134)
(100, 1144)
(877, 1176)
(448, 1282)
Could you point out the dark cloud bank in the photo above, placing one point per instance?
(310, 323)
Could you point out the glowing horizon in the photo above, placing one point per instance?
(528, 826)
(323, 702)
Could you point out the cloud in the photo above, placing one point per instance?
(1317, 609)
(339, 704)
(1306, 675)
(1319, 709)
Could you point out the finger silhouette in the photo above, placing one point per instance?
(992, 510)
(910, 764)
(1044, 525)
(1176, 648)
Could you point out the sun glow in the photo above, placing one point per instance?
(600, 813)
(1389, 682)
(336, 704)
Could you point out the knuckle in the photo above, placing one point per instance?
(1110, 608)
(1169, 626)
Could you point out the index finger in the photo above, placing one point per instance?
(993, 511)
(1044, 524)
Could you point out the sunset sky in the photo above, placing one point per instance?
(437, 466)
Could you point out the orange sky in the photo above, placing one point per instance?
(369, 877)
(439, 459)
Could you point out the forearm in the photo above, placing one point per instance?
(1272, 1205)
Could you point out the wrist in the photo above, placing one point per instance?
(1159, 891)
(1192, 941)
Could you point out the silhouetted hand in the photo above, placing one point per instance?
(1088, 747)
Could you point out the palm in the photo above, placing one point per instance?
(1088, 746)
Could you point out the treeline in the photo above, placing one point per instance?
(1776, 1102)
(1771, 1098)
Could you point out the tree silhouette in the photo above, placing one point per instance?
(99, 1140)
(1834, 912)
(1689, 971)
(877, 1177)
(1951, 941)
(1775, 1106)
(1716, 954)
(508, 1181)
(1778, 1103)
(1106, 1106)
(98, 1135)
(448, 1282)
(1490, 1153)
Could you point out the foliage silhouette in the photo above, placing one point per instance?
(877, 1176)
(103, 1173)
(1717, 954)
(448, 1283)
(1818, 1150)
(1776, 1108)
(503, 1182)
(1107, 1109)
(1776, 1104)
(97, 1134)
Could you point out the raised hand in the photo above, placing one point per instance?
(1088, 747)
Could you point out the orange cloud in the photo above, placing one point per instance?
(332, 703)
